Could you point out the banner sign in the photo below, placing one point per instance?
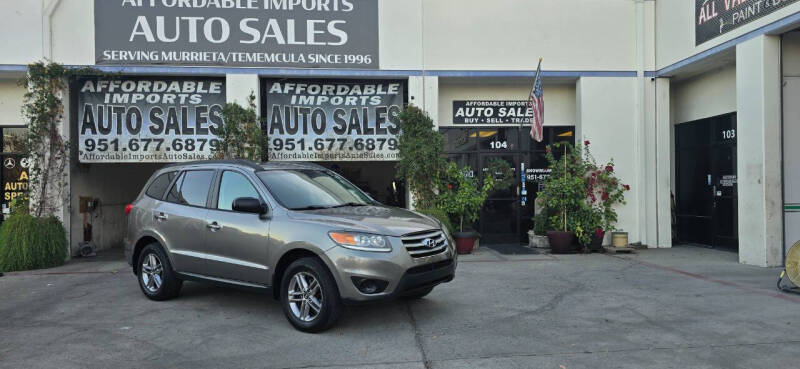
(239, 33)
(716, 17)
(14, 174)
(492, 112)
(149, 120)
(333, 121)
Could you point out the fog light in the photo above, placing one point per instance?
(369, 286)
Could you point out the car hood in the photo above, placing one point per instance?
(376, 219)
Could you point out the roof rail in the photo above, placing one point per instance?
(241, 162)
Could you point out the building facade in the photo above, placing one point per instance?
(693, 99)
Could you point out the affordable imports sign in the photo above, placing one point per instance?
(333, 121)
(241, 33)
(717, 17)
(492, 112)
(154, 120)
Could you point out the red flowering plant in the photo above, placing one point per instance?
(603, 191)
(580, 195)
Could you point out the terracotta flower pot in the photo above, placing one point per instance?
(465, 241)
(561, 242)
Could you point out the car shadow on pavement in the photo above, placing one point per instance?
(201, 296)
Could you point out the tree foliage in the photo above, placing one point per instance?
(44, 146)
(241, 135)
(460, 194)
(420, 160)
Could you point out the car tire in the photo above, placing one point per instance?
(418, 294)
(156, 277)
(309, 296)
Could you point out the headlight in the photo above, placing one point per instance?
(361, 241)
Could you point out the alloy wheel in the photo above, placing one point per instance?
(152, 273)
(305, 296)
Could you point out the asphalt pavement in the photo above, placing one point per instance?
(683, 307)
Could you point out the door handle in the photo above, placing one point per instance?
(161, 216)
(214, 226)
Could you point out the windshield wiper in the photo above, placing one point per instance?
(312, 207)
(349, 204)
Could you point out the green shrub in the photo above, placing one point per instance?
(28, 242)
(441, 215)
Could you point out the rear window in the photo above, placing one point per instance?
(159, 185)
(191, 188)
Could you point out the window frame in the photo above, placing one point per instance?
(214, 175)
(166, 190)
(217, 184)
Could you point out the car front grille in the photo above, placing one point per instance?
(426, 243)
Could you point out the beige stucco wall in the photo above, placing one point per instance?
(710, 94)
(513, 34)
(414, 34)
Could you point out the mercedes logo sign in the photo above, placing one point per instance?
(9, 163)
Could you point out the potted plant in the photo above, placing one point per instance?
(564, 195)
(604, 191)
(537, 237)
(461, 197)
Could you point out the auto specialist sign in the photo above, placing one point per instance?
(240, 33)
(149, 120)
(717, 17)
(491, 112)
(15, 180)
(333, 121)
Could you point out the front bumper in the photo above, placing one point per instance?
(403, 273)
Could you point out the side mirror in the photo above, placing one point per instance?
(250, 205)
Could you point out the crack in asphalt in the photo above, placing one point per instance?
(417, 336)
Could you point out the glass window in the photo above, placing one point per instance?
(233, 186)
(13, 139)
(191, 188)
(498, 139)
(159, 185)
(305, 189)
(459, 139)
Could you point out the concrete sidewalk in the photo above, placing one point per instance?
(670, 308)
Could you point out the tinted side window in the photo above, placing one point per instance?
(159, 185)
(232, 186)
(191, 188)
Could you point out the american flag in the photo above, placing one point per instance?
(537, 106)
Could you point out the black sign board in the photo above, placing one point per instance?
(341, 120)
(149, 119)
(13, 179)
(717, 17)
(239, 33)
(491, 112)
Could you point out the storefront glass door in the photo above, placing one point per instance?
(506, 216)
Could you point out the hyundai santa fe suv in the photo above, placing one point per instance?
(296, 229)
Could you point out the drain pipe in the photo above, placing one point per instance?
(47, 29)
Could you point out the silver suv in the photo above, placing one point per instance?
(298, 230)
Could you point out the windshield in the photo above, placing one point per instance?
(306, 189)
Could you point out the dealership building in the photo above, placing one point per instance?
(695, 100)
